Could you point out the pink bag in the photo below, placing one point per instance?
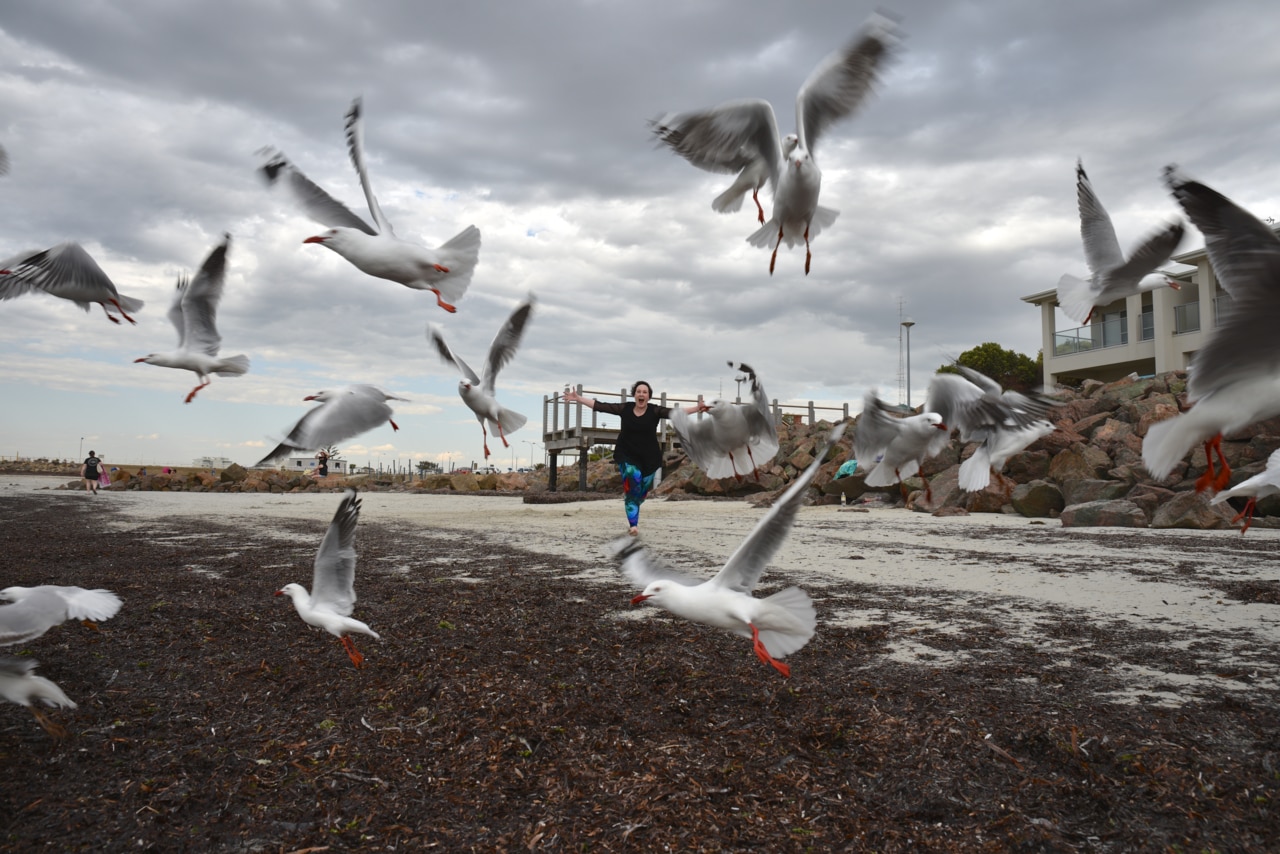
(104, 479)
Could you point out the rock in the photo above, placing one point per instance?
(431, 481)
(234, 473)
(1085, 491)
(1090, 388)
(1086, 426)
(1057, 441)
(467, 482)
(1149, 497)
(487, 481)
(950, 511)
(1037, 500)
(944, 488)
(948, 457)
(1078, 462)
(1191, 510)
(1119, 513)
(1027, 466)
(992, 498)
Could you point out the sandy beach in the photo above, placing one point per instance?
(961, 575)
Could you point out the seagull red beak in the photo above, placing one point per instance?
(942, 427)
(140, 359)
(310, 397)
(317, 239)
(638, 599)
(278, 593)
(1174, 285)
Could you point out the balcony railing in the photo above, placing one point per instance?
(1221, 305)
(1109, 333)
(1186, 318)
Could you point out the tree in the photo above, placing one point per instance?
(1011, 369)
(601, 452)
(427, 466)
(332, 451)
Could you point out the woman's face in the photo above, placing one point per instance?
(642, 394)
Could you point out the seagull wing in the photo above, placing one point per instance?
(726, 138)
(436, 337)
(333, 583)
(32, 616)
(842, 82)
(318, 204)
(355, 147)
(200, 299)
(642, 567)
(505, 343)
(1245, 255)
(876, 429)
(963, 405)
(748, 562)
(1101, 248)
(65, 270)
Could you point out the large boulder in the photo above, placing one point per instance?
(233, 473)
(1085, 491)
(1113, 514)
(990, 499)
(1037, 500)
(1191, 510)
(1078, 462)
(466, 482)
(1028, 466)
(1149, 497)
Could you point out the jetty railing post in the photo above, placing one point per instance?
(812, 420)
(846, 413)
(583, 457)
(551, 471)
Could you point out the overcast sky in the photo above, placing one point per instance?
(133, 127)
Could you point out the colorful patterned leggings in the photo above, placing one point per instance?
(635, 488)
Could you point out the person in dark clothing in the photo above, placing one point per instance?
(637, 453)
(322, 464)
(91, 471)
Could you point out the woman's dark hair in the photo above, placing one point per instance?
(637, 385)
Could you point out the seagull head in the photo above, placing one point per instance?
(323, 238)
(291, 590)
(463, 386)
(321, 396)
(149, 359)
(789, 143)
(657, 591)
(935, 420)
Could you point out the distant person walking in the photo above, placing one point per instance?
(91, 470)
(322, 464)
(637, 453)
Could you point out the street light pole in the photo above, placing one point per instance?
(907, 324)
(81, 456)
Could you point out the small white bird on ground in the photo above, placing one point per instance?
(194, 314)
(743, 135)
(19, 684)
(68, 272)
(893, 448)
(1004, 422)
(1234, 378)
(375, 250)
(477, 392)
(342, 414)
(35, 610)
(735, 438)
(333, 590)
(1261, 485)
(1111, 275)
(778, 625)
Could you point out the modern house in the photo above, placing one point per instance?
(299, 462)
(1145, 334)
(211, 462)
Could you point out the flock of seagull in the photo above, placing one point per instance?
(1234, 379)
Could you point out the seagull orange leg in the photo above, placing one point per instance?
(192, 395)
(440, 300)
(754, 197)
(123, 313)
(502, 434)
(1209, 478)
(807, 254)
(109, 315)
(56, 730)
(354, 654)
(1246, 514)
(764, 656)
(394, 425)
(1224, 470)
(485, 433)
(773, 259)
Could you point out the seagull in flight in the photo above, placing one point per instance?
(1004, 422)
(194, 315)
(1234, 378)
(743, 136)
(732, 434)
(1112, 276)
(893, 448)
(19, 684)
(477, 391)
(333, 583)
(343, 413)
(68, 272)
(376, 250)
(778, 625)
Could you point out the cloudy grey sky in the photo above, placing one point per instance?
(133, 127)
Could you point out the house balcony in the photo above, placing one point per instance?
(1096, 336)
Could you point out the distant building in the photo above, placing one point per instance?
(211, 462)
(1144, 334)
(337, 465)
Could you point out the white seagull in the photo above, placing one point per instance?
(893, 448)
(778, 625)
(68, 272)
(375, 250)
(343, 413)
(19, 684)
(1261, 485)
(1003, 421)
(732, 434)
(1234, 379)
(477, 392)
(333, 590)
(743, 135)
(1111, 275)
(194, 315)
(35, 610)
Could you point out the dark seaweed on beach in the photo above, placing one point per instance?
(510, 706)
